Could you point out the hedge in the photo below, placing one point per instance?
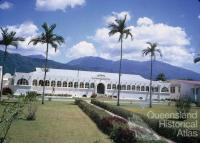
(117, 128)
(170, 133)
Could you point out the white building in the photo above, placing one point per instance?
(187, 88)
(75, 83)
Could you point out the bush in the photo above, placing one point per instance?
(183, 106)
(197, 103)
(7, 91)
(170, 133)
(31, 100)
(93, 95)
(115, 127)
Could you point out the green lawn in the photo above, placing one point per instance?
(57, 122)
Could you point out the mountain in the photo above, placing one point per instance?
(19, 63)
(134, 67)
(36, 56)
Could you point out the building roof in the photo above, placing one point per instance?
(187, 81)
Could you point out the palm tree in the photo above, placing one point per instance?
(8, 39)
(152, 49)
(120, 27)
(161, 77)
(48, 37)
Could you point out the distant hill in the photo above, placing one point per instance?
(19, 63)
(134, 67)
(36, 56)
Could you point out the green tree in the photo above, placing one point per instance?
(9, 38)
(161, 77)
(151, 50)
(120, 27)
(49, 38)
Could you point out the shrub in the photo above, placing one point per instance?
(31, 100)
(183, 106)
(7, 91)
(93, 95)
(197, 103)
(117, 128)
(167, 132)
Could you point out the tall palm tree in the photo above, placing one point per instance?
(120, 27)
(8, 39)
(152, 50)
(48, 37)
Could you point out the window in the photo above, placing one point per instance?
(172, 89)
(156, 89)
(87, 85)
(81, 85)
(108, 86)
(41, 83)
(133, 87)
(22, 81)
(119, 86)
(138, 88)
(34, 82)
(58, 83)
(47, 83)
(164, 89)
(114, 86)
(70, 84)
(142, 88)
(75, 84)
(64, 84)
(128, 87)
(123, 87)
(53, 83)
(147, 88)
(91, 85)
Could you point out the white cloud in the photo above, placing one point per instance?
(53, 5)
(116, 15)
(29, 30)
(173, 42)
(6, 5)
(199, 16)
(144, 21)
(81, 49)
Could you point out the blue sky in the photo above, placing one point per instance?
(173, 24)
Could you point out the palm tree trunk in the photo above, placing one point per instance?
(150, 104)
(119, 82)
(3, 66)
(45, 73)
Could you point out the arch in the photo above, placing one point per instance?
(138, 88)
(142, 88)
(123, 87)
(164, 89)
(92, 85)
(87, 85)
(59, 83)
(75, 84)
(53, 83)
(41, 83)
(147, 88)
(70, 84)
(114, 86)
(133, 87)
(81, 85)
(47, 83)
(101, 88)
(34, 83)
(64, 84)
(108, 86)
(22, 81)
(128, 87)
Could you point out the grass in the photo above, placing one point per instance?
(57, 122)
